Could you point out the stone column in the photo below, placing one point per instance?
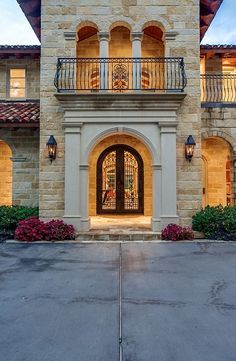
(84, 198)
(169, 40)
(136, 39)
(168, 181)
(104, 53)
(72, 175)
(156, 198)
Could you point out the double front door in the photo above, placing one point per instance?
(120, 181)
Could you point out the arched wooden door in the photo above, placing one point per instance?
(119, 181)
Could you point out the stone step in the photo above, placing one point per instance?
(118, 236)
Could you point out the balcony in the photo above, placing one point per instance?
(156, 75)
(218, 88)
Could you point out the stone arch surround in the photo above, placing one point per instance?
(106, 24)
(147, 161)
(220, 134)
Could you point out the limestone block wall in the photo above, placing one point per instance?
(32, 67)
(24, 164)
(221, 123)
(179, 20)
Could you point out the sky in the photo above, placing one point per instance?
(15, 29)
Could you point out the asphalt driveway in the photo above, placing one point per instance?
(112, 302)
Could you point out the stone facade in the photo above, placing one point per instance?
(21, 182)
(32, 67)
(23, 166)
(219, 126)
(179, 21)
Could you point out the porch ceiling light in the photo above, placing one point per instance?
(52, 148)
(189, 148)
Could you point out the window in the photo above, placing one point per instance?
(17, 83)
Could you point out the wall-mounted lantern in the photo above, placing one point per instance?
(52, 148)
(189, 148)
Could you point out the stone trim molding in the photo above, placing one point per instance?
(136, 36)
(156, 166)
(83, 167)
(171, 35)
(220, 134)
(113, 101)
(70, 35)
(18, 159)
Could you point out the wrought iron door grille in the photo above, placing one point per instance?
(120, 181)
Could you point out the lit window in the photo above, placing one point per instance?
(17, 83)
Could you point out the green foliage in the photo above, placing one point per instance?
(216, 222)
(11, 215)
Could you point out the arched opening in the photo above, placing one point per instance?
(5, 174)
(216, 175)
(120, 44)
(87, 42)
(153, 47)
(120, 181)
(120, 70)
(87, 71)
(138, 155)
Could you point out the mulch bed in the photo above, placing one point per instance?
(4, 235)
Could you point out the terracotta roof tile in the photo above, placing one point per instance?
(19, 113)
(218, 46)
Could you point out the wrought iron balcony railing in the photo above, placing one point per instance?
(218, 88)
(120, 74)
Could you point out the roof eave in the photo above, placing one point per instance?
(32, 11)
(208, 10)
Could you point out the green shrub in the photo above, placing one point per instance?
(11, 215)
(216, 222)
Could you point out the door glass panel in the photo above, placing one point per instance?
(131, 200)
(109, 181)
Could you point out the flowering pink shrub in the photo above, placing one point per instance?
(59, 231)
(173, 232)
(32, 229)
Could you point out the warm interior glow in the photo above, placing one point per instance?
(5, 174)
(216, 181)
(17, 83)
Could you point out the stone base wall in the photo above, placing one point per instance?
(24, 145)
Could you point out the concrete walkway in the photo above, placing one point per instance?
(112, 302)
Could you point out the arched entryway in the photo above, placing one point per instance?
(5, 174)
(129, 151)
(216, 172)
(120, 181)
